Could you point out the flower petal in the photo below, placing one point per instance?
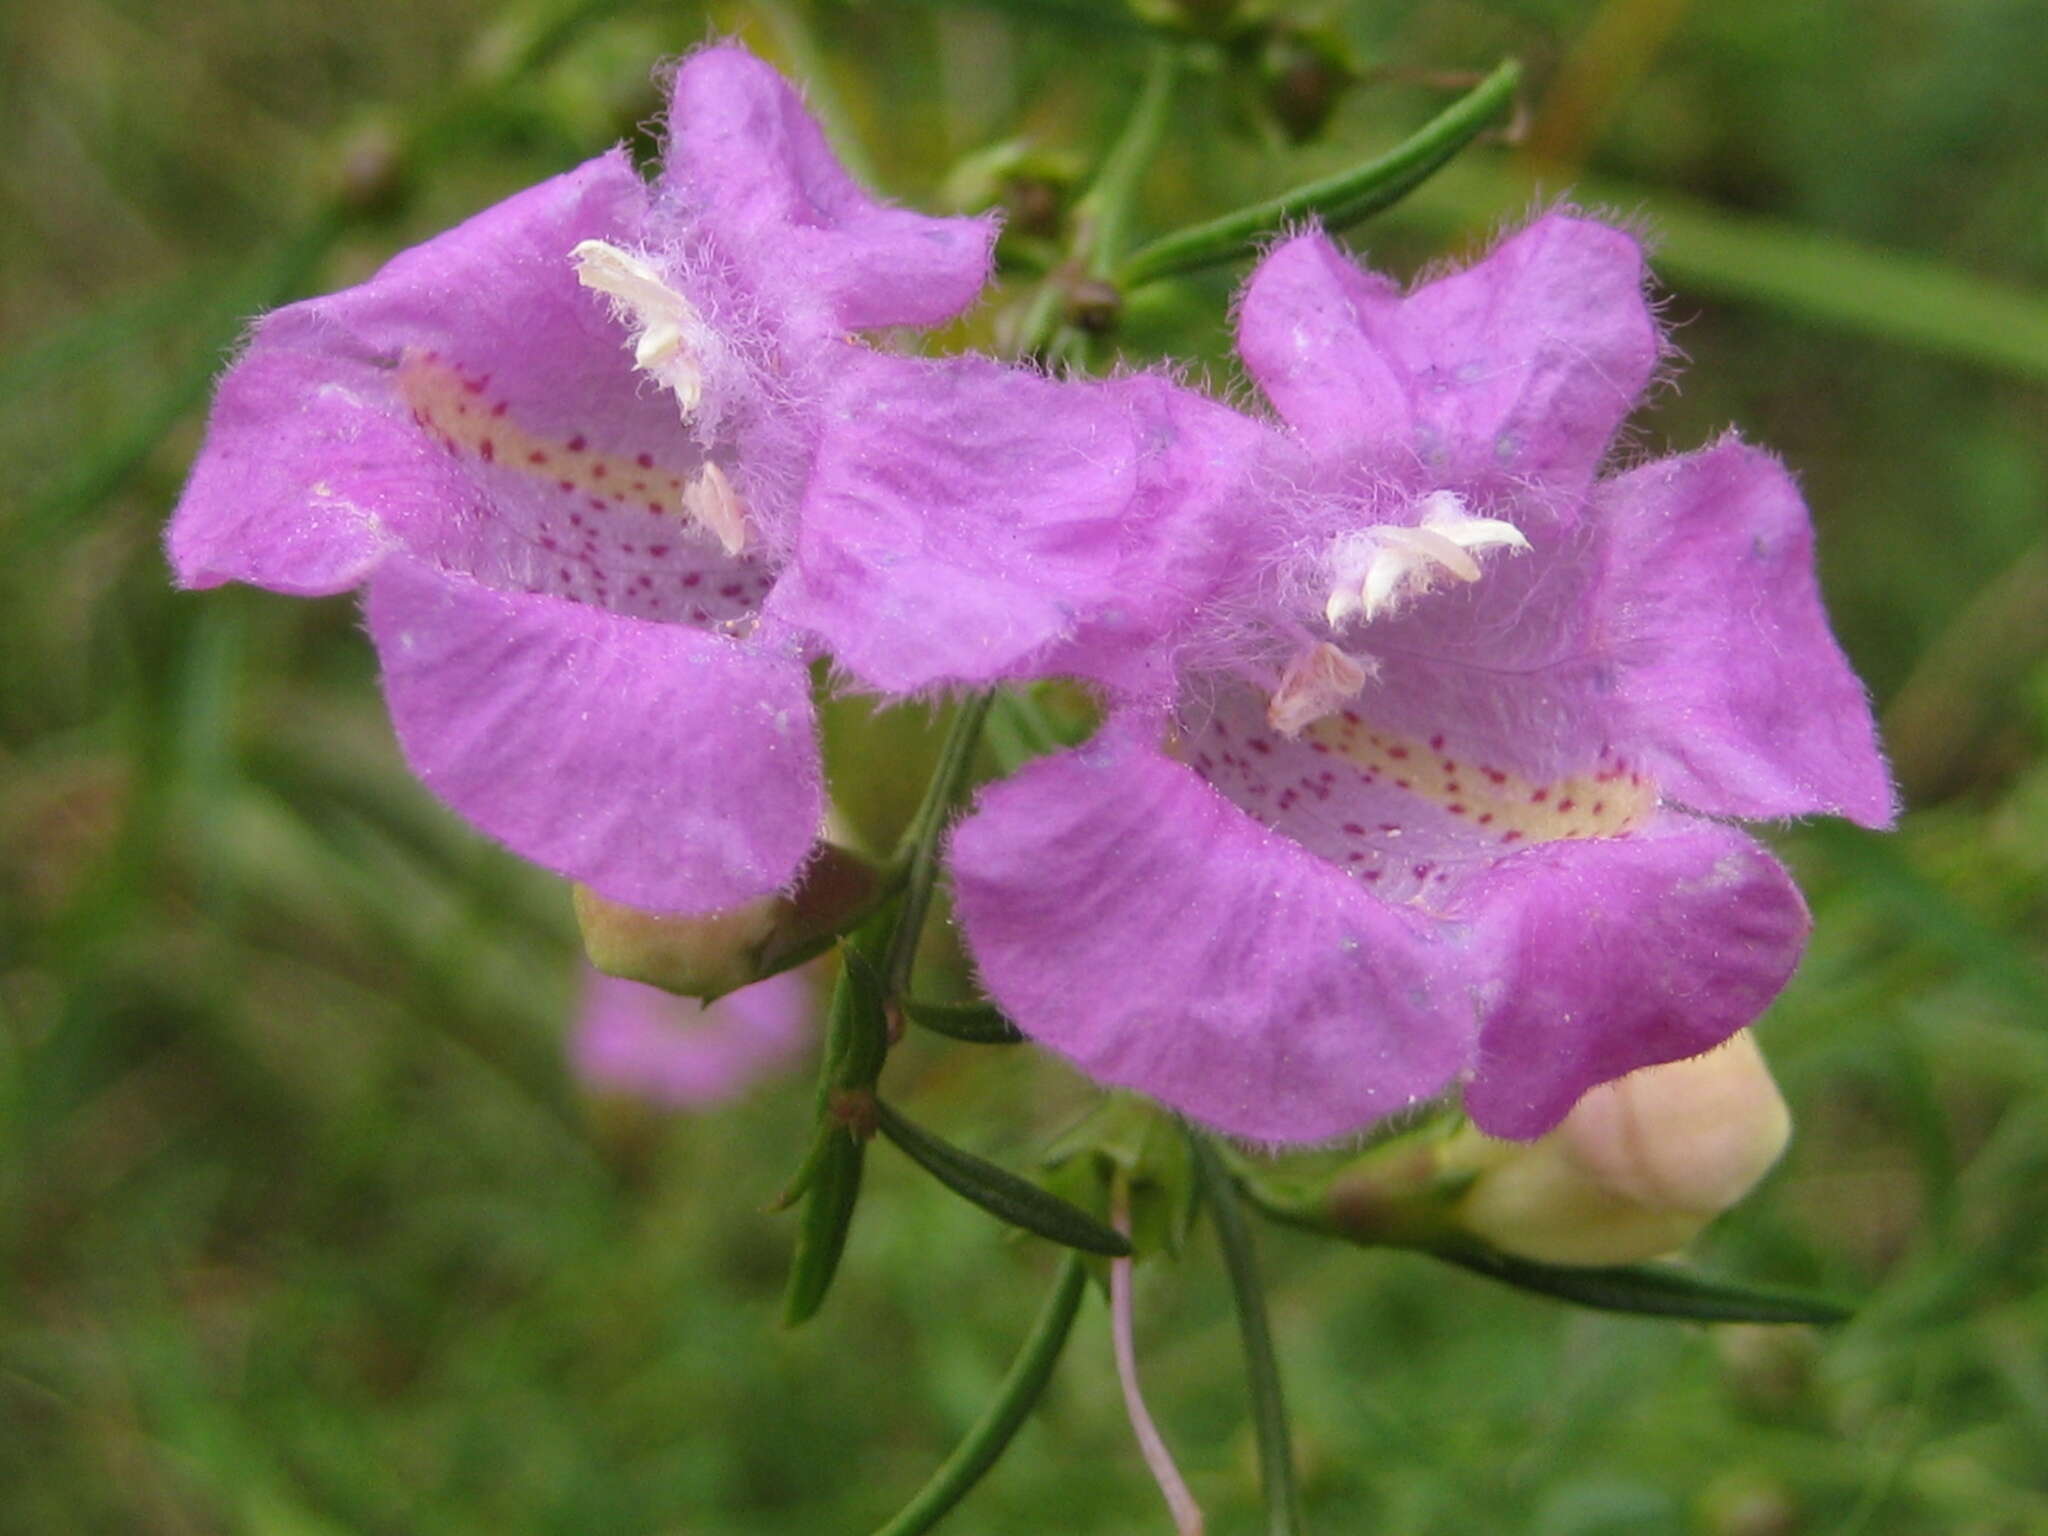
(1316, 332)
(1729, 676)
(751, 164)
(1605, 955)
(301, 480)
(1519, 368)
(467, 402)
(968, 522)
(1132, 919)
(682, 1054)
(663, 766)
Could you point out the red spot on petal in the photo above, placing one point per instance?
(732, 589)
(567, 485)
(488, 449)
(597, 503)
(692, 579)
(1495, 774)
(1353, 828)
(597, 471)
(1455, 810)
(656, 508)
(1486, 818)
(499, 408)
(1511, 837)
(536, 457)
(1397, 753)
(1436, 743)
(644, 460)
(1263, 748)
(657, 550)
(1565, 805)
(1539, 797)
(577, 443)
(1598, 807)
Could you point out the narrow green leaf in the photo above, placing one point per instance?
(821, 1229)
(1337, 200)
(1262, 1366)
(1648, 1290)
(976, 1023)
(998, 1191)
(1014, 1400)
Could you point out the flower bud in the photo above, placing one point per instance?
(1638, 1167)
(710, 955)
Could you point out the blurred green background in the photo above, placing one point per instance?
(303, 1228)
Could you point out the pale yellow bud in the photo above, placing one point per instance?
(719, 952)
(1638, 1167)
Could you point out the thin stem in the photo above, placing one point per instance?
(918, 852)
(1337, 200)
(1014, 1400)
(1103, 215)
(1104, 212)
(1262, 1370)
(1187, 1515)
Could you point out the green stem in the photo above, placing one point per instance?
(918, 852)
(1103, 214)
(1336, 200)
(1262, 1369)
(1014, 1400)
(1102, 217)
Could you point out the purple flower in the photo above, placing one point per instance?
(971, 523)
(1439, 799)
(561, 449)
(682, 1054)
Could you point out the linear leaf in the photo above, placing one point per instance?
(998, 1191)
(976, 1023)
(1649, 1290)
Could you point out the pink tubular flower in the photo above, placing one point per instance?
(1433, 804)
(681, 1054)
(561, 450)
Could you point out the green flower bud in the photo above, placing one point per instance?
(710, 955)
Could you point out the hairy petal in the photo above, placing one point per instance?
(968, 522)
(1728, 674)
(1129, 917)
(1517, 370)
(1317, 333)
(666, 767)
(1605, 955)
(747, 160)
(682, 1054)
(301, 481)
(321, 456)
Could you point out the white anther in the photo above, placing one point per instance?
(1317, 681)
(1377, 569)
(670, 338)
(712, 501)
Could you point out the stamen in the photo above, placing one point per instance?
(1381, 567)
(669, 336)
(1317, 681)
(712, 501)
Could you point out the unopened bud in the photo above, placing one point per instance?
(1638, 1167)
(1304, 76)
(710, 955)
